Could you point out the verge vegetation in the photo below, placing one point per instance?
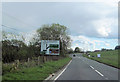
(38, 72)
(107, 57)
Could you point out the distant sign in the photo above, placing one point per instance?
(98, 55)
(52, 47)
(88, 55)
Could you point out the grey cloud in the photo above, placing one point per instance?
(78, 17)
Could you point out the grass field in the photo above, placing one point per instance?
(36, 73)
(107, 57)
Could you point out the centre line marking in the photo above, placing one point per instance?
(92, 67)
(99, 73)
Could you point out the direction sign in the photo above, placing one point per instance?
(52, 47)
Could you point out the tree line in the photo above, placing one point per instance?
(76, 50)
(16, 49)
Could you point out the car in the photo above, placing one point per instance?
(74, 55)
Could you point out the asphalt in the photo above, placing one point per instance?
(82, 68)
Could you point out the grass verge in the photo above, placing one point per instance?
(38, 72)
(107, 57)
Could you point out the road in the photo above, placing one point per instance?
(81, 68)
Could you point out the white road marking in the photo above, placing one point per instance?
(99, 73)
(92, 67)
(63, 71)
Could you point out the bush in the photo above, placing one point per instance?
(6, 68)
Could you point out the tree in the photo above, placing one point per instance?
(13, 48)
(55, 32)
(103, 49)
(70, 50)
(77, 50)
(117, 47)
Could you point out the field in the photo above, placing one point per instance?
(107, 57)
(38, 72)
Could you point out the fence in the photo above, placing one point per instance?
(31, 62)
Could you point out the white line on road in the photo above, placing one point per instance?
(92, 67)
(99, 73)
(63, 71)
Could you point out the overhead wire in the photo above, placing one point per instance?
(17, 19)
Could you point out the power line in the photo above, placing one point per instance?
(9, 27)
(16, 19)
(13, 17)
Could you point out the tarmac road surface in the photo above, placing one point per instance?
(81, 68)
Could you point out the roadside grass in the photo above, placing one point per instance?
(37, 72)
(107, 57)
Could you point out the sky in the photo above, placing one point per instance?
(91, 25)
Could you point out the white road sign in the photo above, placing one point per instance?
(51, 47)
(98, 55)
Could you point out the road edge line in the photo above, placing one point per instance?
(92, 67)
(99, 73)
(63, 71)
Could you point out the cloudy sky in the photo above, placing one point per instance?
(92, 25)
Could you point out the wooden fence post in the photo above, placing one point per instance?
(42, 58)
(38, 60)
(18, 62)
(28, 62)
(46, 58)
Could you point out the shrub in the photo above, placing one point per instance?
(6, 68)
